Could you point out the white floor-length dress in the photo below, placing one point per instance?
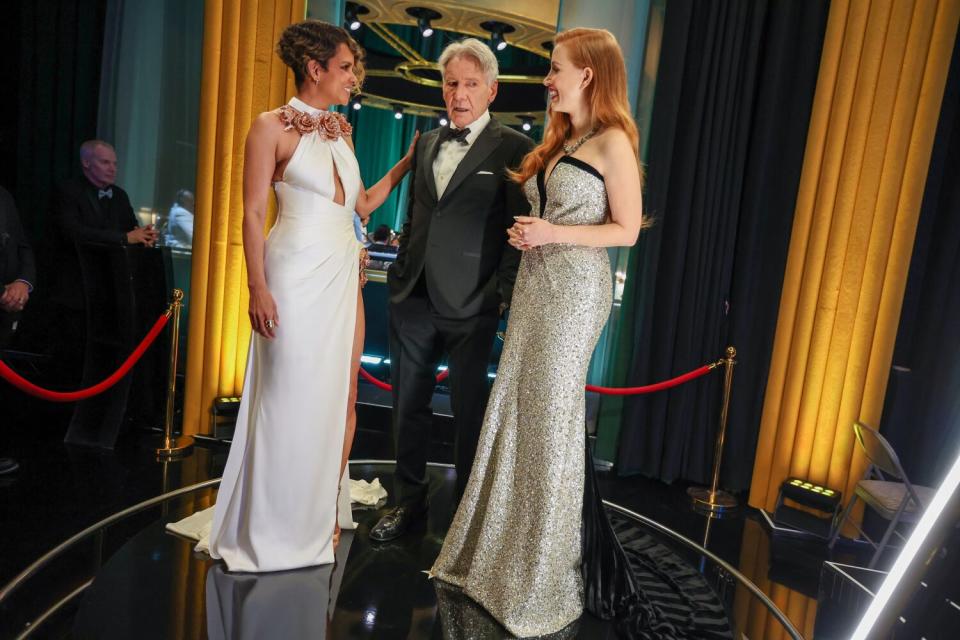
(277, 503)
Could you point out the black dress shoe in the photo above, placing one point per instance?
(8, 465)
(396, 522)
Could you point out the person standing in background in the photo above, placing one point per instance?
(18, 276)
(179, 234)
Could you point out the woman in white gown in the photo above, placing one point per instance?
(277, 504)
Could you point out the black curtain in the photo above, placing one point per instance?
(732, 106)
(921, 416)
(52, 78)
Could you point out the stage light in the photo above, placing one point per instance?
(442, 115)
(352, 14)
(398, 112)
(526, 123)
(498, 40)
(352, 22)
(365, 359)
(821, 508)
(945, 500)
(424, 17)
(355, 102)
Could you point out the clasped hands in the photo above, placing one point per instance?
(15, 296)
(529, 232)
(147, 236)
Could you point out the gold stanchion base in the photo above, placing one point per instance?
(707, 500)
(175, 447)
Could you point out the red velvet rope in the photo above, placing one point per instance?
(26, 386)
(609, 391)
(380, 384)
(650, 388)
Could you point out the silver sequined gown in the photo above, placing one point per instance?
(514, 545)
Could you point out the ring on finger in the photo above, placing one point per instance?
(269, 324)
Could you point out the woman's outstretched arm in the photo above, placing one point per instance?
(370, 199)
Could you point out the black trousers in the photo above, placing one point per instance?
(418, 339)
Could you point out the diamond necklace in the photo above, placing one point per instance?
(572, 148)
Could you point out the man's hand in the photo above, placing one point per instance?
(147, 236)
(15, 296)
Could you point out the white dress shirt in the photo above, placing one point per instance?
(452, 152)
(179, 228)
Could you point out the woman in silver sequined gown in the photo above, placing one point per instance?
(515, 542)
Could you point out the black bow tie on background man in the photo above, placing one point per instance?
(449, 133)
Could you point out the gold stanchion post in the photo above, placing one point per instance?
(173, 447)
(713, 499)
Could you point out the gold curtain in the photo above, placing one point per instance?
(241, 77)
(881, 81)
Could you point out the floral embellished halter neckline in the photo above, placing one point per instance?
(298, 115)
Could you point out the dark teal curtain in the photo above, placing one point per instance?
(380, 140)
(152, 118)
(734, 91)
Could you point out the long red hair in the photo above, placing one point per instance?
(606, 95)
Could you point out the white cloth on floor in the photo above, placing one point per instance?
(367, 493)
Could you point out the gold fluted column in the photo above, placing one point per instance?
(881, 81)
(241, 77)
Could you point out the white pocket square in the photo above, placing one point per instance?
(484, 173)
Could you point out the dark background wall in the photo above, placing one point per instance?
(51, 77)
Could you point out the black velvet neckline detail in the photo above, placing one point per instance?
(542, 180)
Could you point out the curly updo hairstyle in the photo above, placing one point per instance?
(309, 40)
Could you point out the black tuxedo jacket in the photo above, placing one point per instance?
(16, 255)
(459, 242)
(83, 217)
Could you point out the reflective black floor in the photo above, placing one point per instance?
(155, 586)
(59, 490)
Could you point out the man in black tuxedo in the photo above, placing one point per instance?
(89, 208)
(453, 275)
(18, 275)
